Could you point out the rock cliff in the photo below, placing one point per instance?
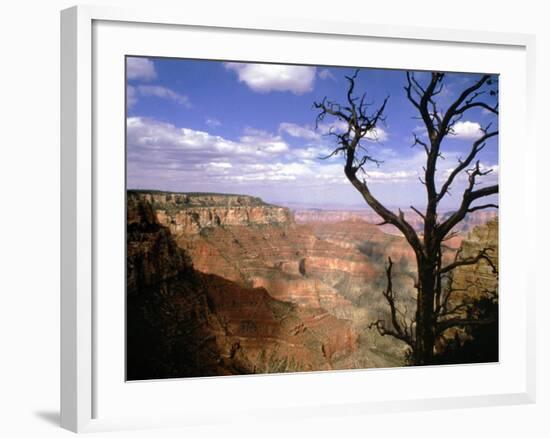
(189, 213)
(151, 253)
(481, 277)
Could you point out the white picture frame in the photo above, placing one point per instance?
(81, 375)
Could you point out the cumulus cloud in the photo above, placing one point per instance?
(264, 141)
(326, 74)
(271, 172)
(294, 130)
(377, 134)
(162, 149)
(264, 78)
(466, 130)
(146, 135)
(140, 69)
(164, 93)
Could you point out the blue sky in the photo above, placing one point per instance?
(195, 125)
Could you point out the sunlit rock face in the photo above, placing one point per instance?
(481, 277)
(188, 213)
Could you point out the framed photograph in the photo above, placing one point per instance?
(252, 209)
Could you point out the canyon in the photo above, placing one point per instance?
(308, 215)
(228, 284)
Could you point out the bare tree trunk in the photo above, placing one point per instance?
(425, 335)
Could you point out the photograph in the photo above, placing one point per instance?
(285, 218)
(275, 219)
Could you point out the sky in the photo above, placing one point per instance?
(249, 128)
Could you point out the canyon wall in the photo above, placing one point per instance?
(188, 213)
(183, 323)
(295, 263)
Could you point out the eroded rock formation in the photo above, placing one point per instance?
(183, 323)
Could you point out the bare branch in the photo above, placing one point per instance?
(477, 146)
(418, 212)
(399, 330)
(481, 255)
(468, 197)
(441, 326)
(452, 110)
(482, 207)
(359, 124)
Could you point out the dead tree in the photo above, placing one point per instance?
(433, 315)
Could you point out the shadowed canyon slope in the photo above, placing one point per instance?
(227, 284)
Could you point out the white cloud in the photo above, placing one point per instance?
(339, 126)
(326, 74)
(298, 131)
(131, 97)
(215, 167)
(466, 130)
(264, 141)
(164, 93)
(309, 153)
(163, 155)
(140, 68)
(145, 135)
(377, 134)
(272, 172)
(213, 122)
(264, 78)
(398, 175)
(222, 165)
